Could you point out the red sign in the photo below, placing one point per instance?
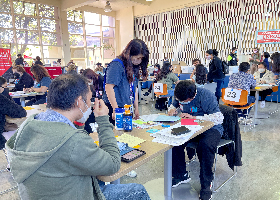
(268, 37)
(5, 60)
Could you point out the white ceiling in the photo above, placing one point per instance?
(115, 4)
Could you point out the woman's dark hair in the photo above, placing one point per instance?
(213, 52)
(195, 60)
(39, 72)
(134, 48)
(200, 74)
(157, 66)
(163, 71)
(90, 74)
(276, 62)
(20, 56)
(38, 58)
(244, 67)
(185, 90)
(65, 89)
(266, 54)
(233, 49)
(263, 63)
(2, 81)
(19, 68)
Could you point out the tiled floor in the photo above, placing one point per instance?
(257, 179)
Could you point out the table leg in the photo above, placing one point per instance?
(22, 101)
(256, 106)
(168, 173)
(118, 181)
(153, 92)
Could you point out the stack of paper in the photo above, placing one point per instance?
(130, 140)
(164, 136)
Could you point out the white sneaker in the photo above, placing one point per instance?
(132, 174)
(262, 105)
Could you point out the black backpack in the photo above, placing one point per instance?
(225, 67)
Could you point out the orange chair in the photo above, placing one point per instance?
(274, 89)
(159, 94)
(236, 105)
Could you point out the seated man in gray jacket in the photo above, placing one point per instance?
(51, 159)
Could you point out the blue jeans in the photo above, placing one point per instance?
(251, 99)
(129, 191)
(218, 92)
(170, 94)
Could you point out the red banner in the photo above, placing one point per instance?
(5, 60)
(268, 37)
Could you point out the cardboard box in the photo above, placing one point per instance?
(177, 69)
(182, 63)
(175, 63)
(187, 69)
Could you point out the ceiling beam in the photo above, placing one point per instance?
(143, 2)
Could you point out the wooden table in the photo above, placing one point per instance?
(152, 150)
(23, 95)
(257, 89)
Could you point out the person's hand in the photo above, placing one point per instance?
(100, 108)
(257, 60)
(262, 82)
(172, 112)
(187, 116)
(136, 114)
(113, 114)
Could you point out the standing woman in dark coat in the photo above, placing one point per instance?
(19, 60)
(216, 73)
(25, 80)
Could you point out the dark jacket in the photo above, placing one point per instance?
(10, 108)
(231, 132)
(215, 69)
(232, 60)
(25, 81)
(19, 61)
(38, 62)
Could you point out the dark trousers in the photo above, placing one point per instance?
(110, 113)
(206, 149)
(36, 101)
(90, 120)
(263, 94)
(218, 92)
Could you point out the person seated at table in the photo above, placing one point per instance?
(263, 76)
(95, 83)
(266, 59)
(51, 159)
(43, 81)
(245, 81)
(201, 104)
(25, 80)
(38, 61)
(200, 75)
(166, 76)
(195, 62)
(275, 58)
(7, 107)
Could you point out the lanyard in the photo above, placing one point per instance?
(132, 92)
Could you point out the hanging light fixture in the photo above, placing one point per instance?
(108, 7)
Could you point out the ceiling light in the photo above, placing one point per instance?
(108, 7)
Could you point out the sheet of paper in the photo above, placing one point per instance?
(130, 140)
(188, 122)
(164, 118)
(151, 117)
(263, 85)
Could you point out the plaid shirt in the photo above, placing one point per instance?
(242, 80)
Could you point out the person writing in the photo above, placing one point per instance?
(25, 80)
(7, 107)
(122, 75)
(51, 159)
(216, 73)
(201, 104)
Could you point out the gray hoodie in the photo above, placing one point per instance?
(52, 160)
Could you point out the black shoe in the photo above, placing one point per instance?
(146, 94)
(178, 181)
(205, 194)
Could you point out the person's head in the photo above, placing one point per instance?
(134, 57)
(211, 53)
(244, 67)
(39, 72)
(200, 74)
(98, 67)
(157, 67)
(59, 60)
(19, 56)
(234, 50)
(256, 50)
(185, 91)
(91, 76)
(266, 54)
(38, 58)
(3, 84)
(106, 65)
(166, 69)
(18, 69)
(262, 67)
(196, 62)
(71, 61)
(70, 92)
(275, 58)
(71, 67)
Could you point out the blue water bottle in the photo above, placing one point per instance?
(119, 118)
(127, 119)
